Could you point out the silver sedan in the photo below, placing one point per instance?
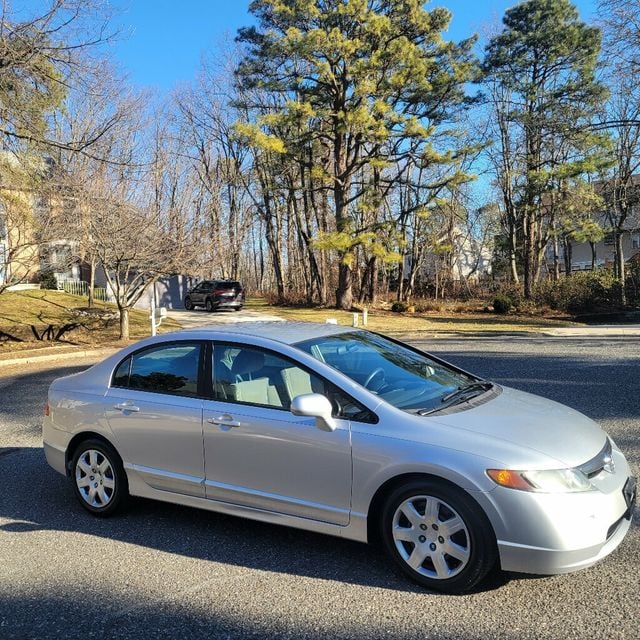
(348, 433)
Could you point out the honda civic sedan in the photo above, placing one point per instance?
(348, 433)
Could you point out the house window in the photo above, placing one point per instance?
(635, 241)
(608, 239)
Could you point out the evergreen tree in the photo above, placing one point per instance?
(368, 83)
(546, 60)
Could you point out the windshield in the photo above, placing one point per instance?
(404, 378)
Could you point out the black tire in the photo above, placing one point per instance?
(188, 305)
(238, 308)
(208, 305)
(114, 474)
(474, 542)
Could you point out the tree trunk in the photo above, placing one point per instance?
(556, 259)
(568, 255)
(513, 261)
(92, 281)
(373, 281)
(124, 323)
(344, 292)
(367, 285)
(593, 255)
(619, 265)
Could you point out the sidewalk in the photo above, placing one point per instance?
(51, 354)
(595, 331)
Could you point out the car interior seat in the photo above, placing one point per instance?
(250, 384)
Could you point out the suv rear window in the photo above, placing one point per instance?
(228, 284)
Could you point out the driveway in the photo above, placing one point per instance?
(162, 571)
(200, 318)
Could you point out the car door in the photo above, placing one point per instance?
(154, 408)
(197, 296)
(258, 454)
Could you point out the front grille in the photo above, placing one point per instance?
(598, 463)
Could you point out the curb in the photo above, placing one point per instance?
(615, 331)
(32, 359)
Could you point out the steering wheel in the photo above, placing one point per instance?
(372, 375)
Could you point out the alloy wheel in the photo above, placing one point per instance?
(95, 478)
(431, 537)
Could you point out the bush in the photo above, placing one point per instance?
(583, 291)
(399, 307)
(424, 306)
(514, 292)
(502, 303)
(47, 280)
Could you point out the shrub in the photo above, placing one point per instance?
(47, 280)
(514, 292)
(399, 307)
(425, 306)
(581, 292)
(502, 303)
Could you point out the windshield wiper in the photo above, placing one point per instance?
(461, 394)
(481, 385)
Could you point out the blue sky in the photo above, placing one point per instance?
(163, 40)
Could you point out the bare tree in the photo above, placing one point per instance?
(44, 58)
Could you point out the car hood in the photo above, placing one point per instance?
(526, 420)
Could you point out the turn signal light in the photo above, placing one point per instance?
(46, 408)
(508, 478)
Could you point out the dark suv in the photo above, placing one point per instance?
(215, 294)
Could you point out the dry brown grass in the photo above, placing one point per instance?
(24, 315)
(443, 317)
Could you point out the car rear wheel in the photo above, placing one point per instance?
(188, 305)
(208, 305)
(438, 536)
(99, 480)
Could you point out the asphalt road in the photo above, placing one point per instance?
(161, 571)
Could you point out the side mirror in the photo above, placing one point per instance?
(315, 405)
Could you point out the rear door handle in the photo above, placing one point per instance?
(224, 421)
(126, 406)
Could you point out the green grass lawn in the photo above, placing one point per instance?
(24, 312)
(445, 321)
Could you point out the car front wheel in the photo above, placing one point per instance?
(99, 480)
(438, 536)
(188, 305)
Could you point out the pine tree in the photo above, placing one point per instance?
(368, 82)
(546, 60)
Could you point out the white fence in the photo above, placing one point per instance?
(81, 288)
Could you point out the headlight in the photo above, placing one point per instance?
(548, 481)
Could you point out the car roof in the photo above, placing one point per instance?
(277, 330)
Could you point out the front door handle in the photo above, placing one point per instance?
(224, 421)
(126, 406)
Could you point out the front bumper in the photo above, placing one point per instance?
(558, 533)
(528, 559)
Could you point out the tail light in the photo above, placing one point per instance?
(46, 408)
(218, 292)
